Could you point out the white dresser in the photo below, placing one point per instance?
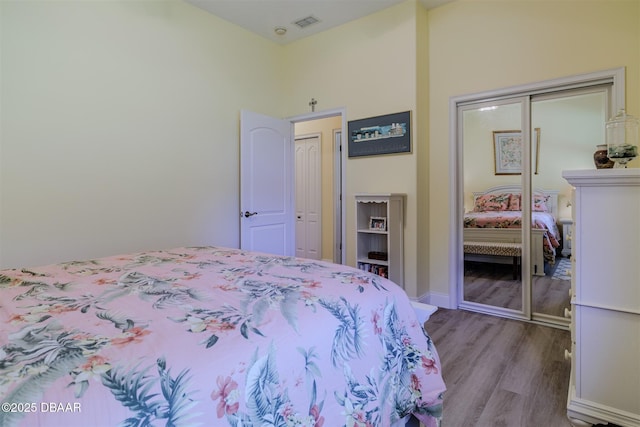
(605, 298)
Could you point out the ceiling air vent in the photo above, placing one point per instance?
(305, 22)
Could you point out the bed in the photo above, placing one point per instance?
(496, 216)
(212, 336)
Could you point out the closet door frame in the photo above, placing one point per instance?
(614, 77)
(524, 313)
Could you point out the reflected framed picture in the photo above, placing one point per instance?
(507, 151)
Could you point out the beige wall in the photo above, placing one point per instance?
(369, 67)
(422, 173)
(483, 45)
(120, 128)
(325, 128)
(123, 140)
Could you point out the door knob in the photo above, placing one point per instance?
(247, 214)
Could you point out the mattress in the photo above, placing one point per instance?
(211, 336)
(513, 219)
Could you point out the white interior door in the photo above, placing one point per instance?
(308, 184)
(266, 184)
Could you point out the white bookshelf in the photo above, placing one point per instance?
(388, 240)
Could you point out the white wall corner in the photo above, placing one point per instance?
(435, 298)
(423, 311)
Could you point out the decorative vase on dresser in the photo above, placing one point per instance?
(605, 298)
(600, 158)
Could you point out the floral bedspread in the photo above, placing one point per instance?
(513, 219)
(213, 337)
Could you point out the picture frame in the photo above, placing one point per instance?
(507, 151)
(387, 134)
(377, 223)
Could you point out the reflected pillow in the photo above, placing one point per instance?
(492, 202)
(514, 202)
(540, 203)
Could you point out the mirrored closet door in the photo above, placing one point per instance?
(569, 127)
(493, 277)
(516, 211)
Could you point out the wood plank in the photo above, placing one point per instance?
(500, 372)
(493, 284)
(504, 409)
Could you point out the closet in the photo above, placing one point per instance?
(511, 200)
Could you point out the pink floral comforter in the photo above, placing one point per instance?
(212, 337)
(513, 219)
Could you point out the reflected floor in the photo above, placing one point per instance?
(493, 284)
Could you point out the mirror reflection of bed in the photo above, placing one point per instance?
(493, 249)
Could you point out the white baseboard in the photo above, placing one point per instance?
(435, 298)
(439, 299)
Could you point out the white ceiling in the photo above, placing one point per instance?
(263, 16)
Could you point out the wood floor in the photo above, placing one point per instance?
(500, 372)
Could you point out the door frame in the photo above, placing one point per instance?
(339, 223)
(338, 191)
(456, 203)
